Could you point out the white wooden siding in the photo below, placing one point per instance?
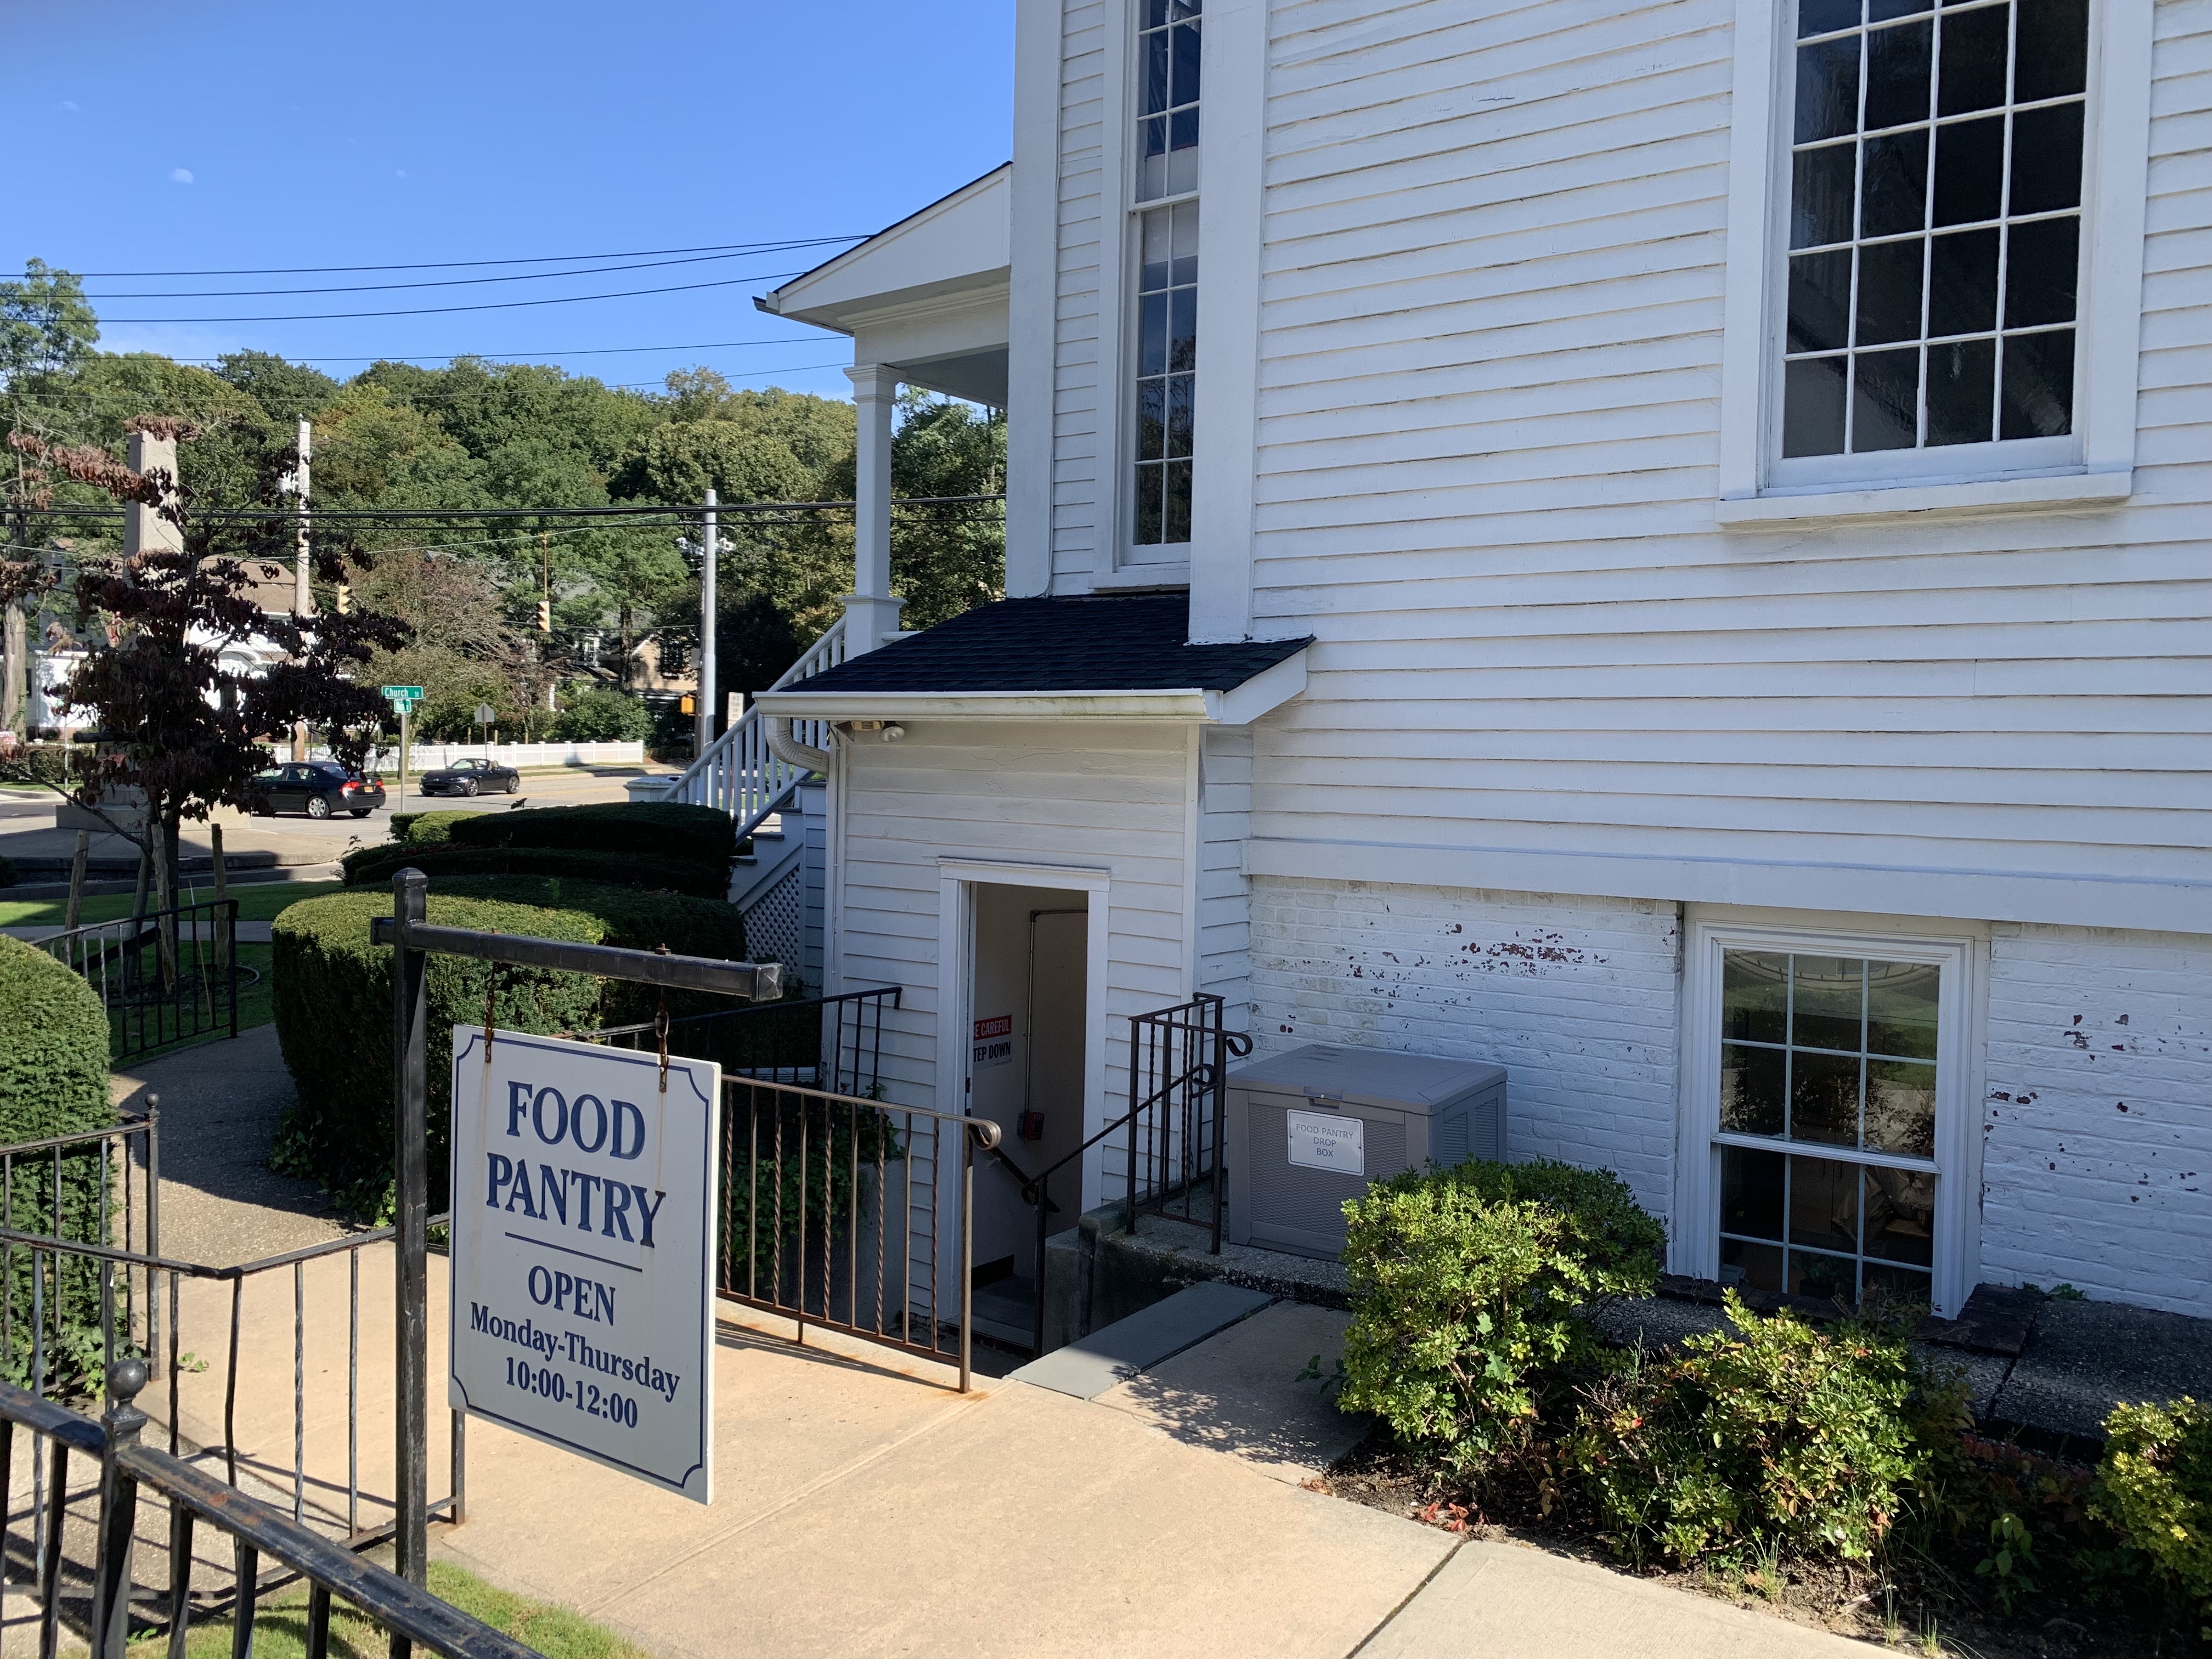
(1488, 441)
(1100, 795)
(1225, 893)
(1083, 392)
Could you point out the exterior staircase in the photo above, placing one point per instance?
(775, 885)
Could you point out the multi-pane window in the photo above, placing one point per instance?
(1168, 68)
(1935, 223)
(1827, 1124)
(1167, 352)
(1168, 59)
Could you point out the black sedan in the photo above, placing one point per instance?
(319, 788)
(472, 776)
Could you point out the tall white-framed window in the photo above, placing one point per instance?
(1163, 212)
(1934, 257)
(1828, 1116)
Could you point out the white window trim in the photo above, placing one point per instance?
(1216, 563)
(2100, 466)
(1694, 1239)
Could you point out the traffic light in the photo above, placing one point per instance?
(345, 599)
(545, 616)
(687, 706)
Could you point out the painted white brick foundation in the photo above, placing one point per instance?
(1574, 996)
(2097, 1158)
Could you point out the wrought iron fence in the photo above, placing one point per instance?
(129, 1469)
(851, 1214)
(163, 977)
(74, 1301)
(834, 1043)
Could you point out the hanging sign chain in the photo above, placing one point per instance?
(660, 1033)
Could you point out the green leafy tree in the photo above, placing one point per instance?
(46, 324)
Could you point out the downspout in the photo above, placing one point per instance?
(790, 750)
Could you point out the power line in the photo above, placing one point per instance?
(443, 281)
(320, 514)
(471, 265)
(584, 351)
(437, 311)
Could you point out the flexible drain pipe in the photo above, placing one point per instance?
(789, 749)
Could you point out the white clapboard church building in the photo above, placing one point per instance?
(1667, 546)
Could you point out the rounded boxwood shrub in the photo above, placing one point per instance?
(424, 828)
(53, 1081)
(333, 1004)
(1467, 1288)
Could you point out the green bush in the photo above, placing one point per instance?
(7, 871)
(670, 829)
(2154, 1488)
(374, 867)
(333, 1002)
(1468, 1287)
(53, 1081)
(424, 828)
(1780, 1436)
(603, 716)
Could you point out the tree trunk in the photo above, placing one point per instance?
(161, 833)
(15, 668)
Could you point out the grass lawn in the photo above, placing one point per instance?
(257, 902)
(281, 1631)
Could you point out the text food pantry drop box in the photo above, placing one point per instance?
(582, 1301)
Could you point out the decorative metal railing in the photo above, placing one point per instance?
(163, 977)
(739, 773)
(1171, 1137)
(130, 1471)
(851, 1214)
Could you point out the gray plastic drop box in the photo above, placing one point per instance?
(1311, 1128)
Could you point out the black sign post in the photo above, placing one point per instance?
(414, 938)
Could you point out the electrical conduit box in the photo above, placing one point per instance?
(1310, 1129)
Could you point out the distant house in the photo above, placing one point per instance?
(1668, 547)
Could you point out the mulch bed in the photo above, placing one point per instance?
(1918, 1607)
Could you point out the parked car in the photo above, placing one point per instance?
(472, 776)
(319, 788)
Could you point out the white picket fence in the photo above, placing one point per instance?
(428, 757)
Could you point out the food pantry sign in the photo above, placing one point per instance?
(582, 1303)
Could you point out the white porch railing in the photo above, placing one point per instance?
(739, 773)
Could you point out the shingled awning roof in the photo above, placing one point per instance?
(1103, 654)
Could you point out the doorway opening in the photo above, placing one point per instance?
(1028, 1011)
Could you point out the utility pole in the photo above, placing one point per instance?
(709, 555)
(303, 595)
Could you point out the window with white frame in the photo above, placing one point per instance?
(1166, 236)
(1826, 1097)
(1934, 222)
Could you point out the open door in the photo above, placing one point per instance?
(1027, 1002)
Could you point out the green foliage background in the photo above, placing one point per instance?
(476, 433)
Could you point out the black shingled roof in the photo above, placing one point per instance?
(1119, 643)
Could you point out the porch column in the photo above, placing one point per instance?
(871, 609)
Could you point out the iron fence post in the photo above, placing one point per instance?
(410, 983)
(118, 1512)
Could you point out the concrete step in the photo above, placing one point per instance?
(1091, 1365)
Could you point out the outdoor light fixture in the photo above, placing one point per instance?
(889, 730)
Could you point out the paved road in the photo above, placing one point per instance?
(26, 824)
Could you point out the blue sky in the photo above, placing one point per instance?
(231, 134)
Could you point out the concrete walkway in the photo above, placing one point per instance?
(864, 1509)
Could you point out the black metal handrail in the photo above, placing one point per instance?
(834, 1043)
(412, 1615)
(1207, 1073)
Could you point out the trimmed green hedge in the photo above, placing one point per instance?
(425, 828)
(662, 828)
(53, 1081)
(374, 867)
(333, 1003)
